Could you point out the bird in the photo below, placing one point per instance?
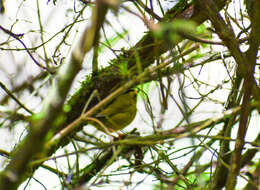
(118, 114)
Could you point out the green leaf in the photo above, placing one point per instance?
(173, 30)
(201, 29)
(123, 68)
(110, 42)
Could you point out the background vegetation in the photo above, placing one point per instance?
(195, 65)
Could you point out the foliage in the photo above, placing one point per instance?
(196, 70)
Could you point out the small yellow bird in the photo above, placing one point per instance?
(118, 114)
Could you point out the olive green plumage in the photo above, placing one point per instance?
(118, 114)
